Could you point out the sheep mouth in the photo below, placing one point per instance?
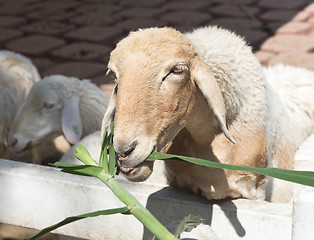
(27, 147)
(130, 170)
(136, 174)
(139, 173)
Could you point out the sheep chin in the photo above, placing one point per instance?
(139, 173)
(21, 147)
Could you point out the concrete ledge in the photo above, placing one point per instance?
(36, 196)
(303, 204)
(303, 209)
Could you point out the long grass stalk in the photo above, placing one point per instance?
(301, 177)
(138, 210)
(76, 218)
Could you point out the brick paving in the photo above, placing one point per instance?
(75, 37)
(292, 43)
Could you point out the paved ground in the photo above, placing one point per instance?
(75, 37)
(292, 43)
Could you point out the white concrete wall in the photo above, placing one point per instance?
(303, 206)
(36, 197)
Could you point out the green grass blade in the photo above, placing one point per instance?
(180, 228)
(112, 157)
(85, 170)
(60, 164)
(187, 224)
(103, 159)
(112, 161)
(83, 155)
(301, 177)
(79, 217)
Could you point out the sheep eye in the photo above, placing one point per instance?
(116, 89)
(112, 75)
(48, 105)
(178, 69)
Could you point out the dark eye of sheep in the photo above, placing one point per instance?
(111, 75)
(116, 89)
(178, 69)
(48, 105)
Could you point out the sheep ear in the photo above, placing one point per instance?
(205, 80)
(109, 115)
(71, 120)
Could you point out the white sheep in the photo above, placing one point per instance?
(17, 76)
(294, 87)
(203, 94)
(291, 113)
(58, 105)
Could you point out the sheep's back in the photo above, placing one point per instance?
(295, 89)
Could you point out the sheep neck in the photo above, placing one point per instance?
(202, 126)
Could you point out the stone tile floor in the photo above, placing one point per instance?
(75, 37)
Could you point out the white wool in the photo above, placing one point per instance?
(93, 101)
(295, 88)
(17, 75)
(236, 70)
(58, 90)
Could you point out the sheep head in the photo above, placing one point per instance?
(158, 75)
(48, 111)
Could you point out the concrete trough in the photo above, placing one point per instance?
(36, 196)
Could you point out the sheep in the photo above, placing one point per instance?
(203, 94)
(293, 85)
(58, 105)
(291, 94)
(17, 75)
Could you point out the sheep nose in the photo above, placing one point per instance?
(122, 155)
(12, 142)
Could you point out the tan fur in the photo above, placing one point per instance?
(195, 95)
(218, 183)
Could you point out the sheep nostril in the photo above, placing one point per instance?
(122, 156)
(128, 152)
(12, 142)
